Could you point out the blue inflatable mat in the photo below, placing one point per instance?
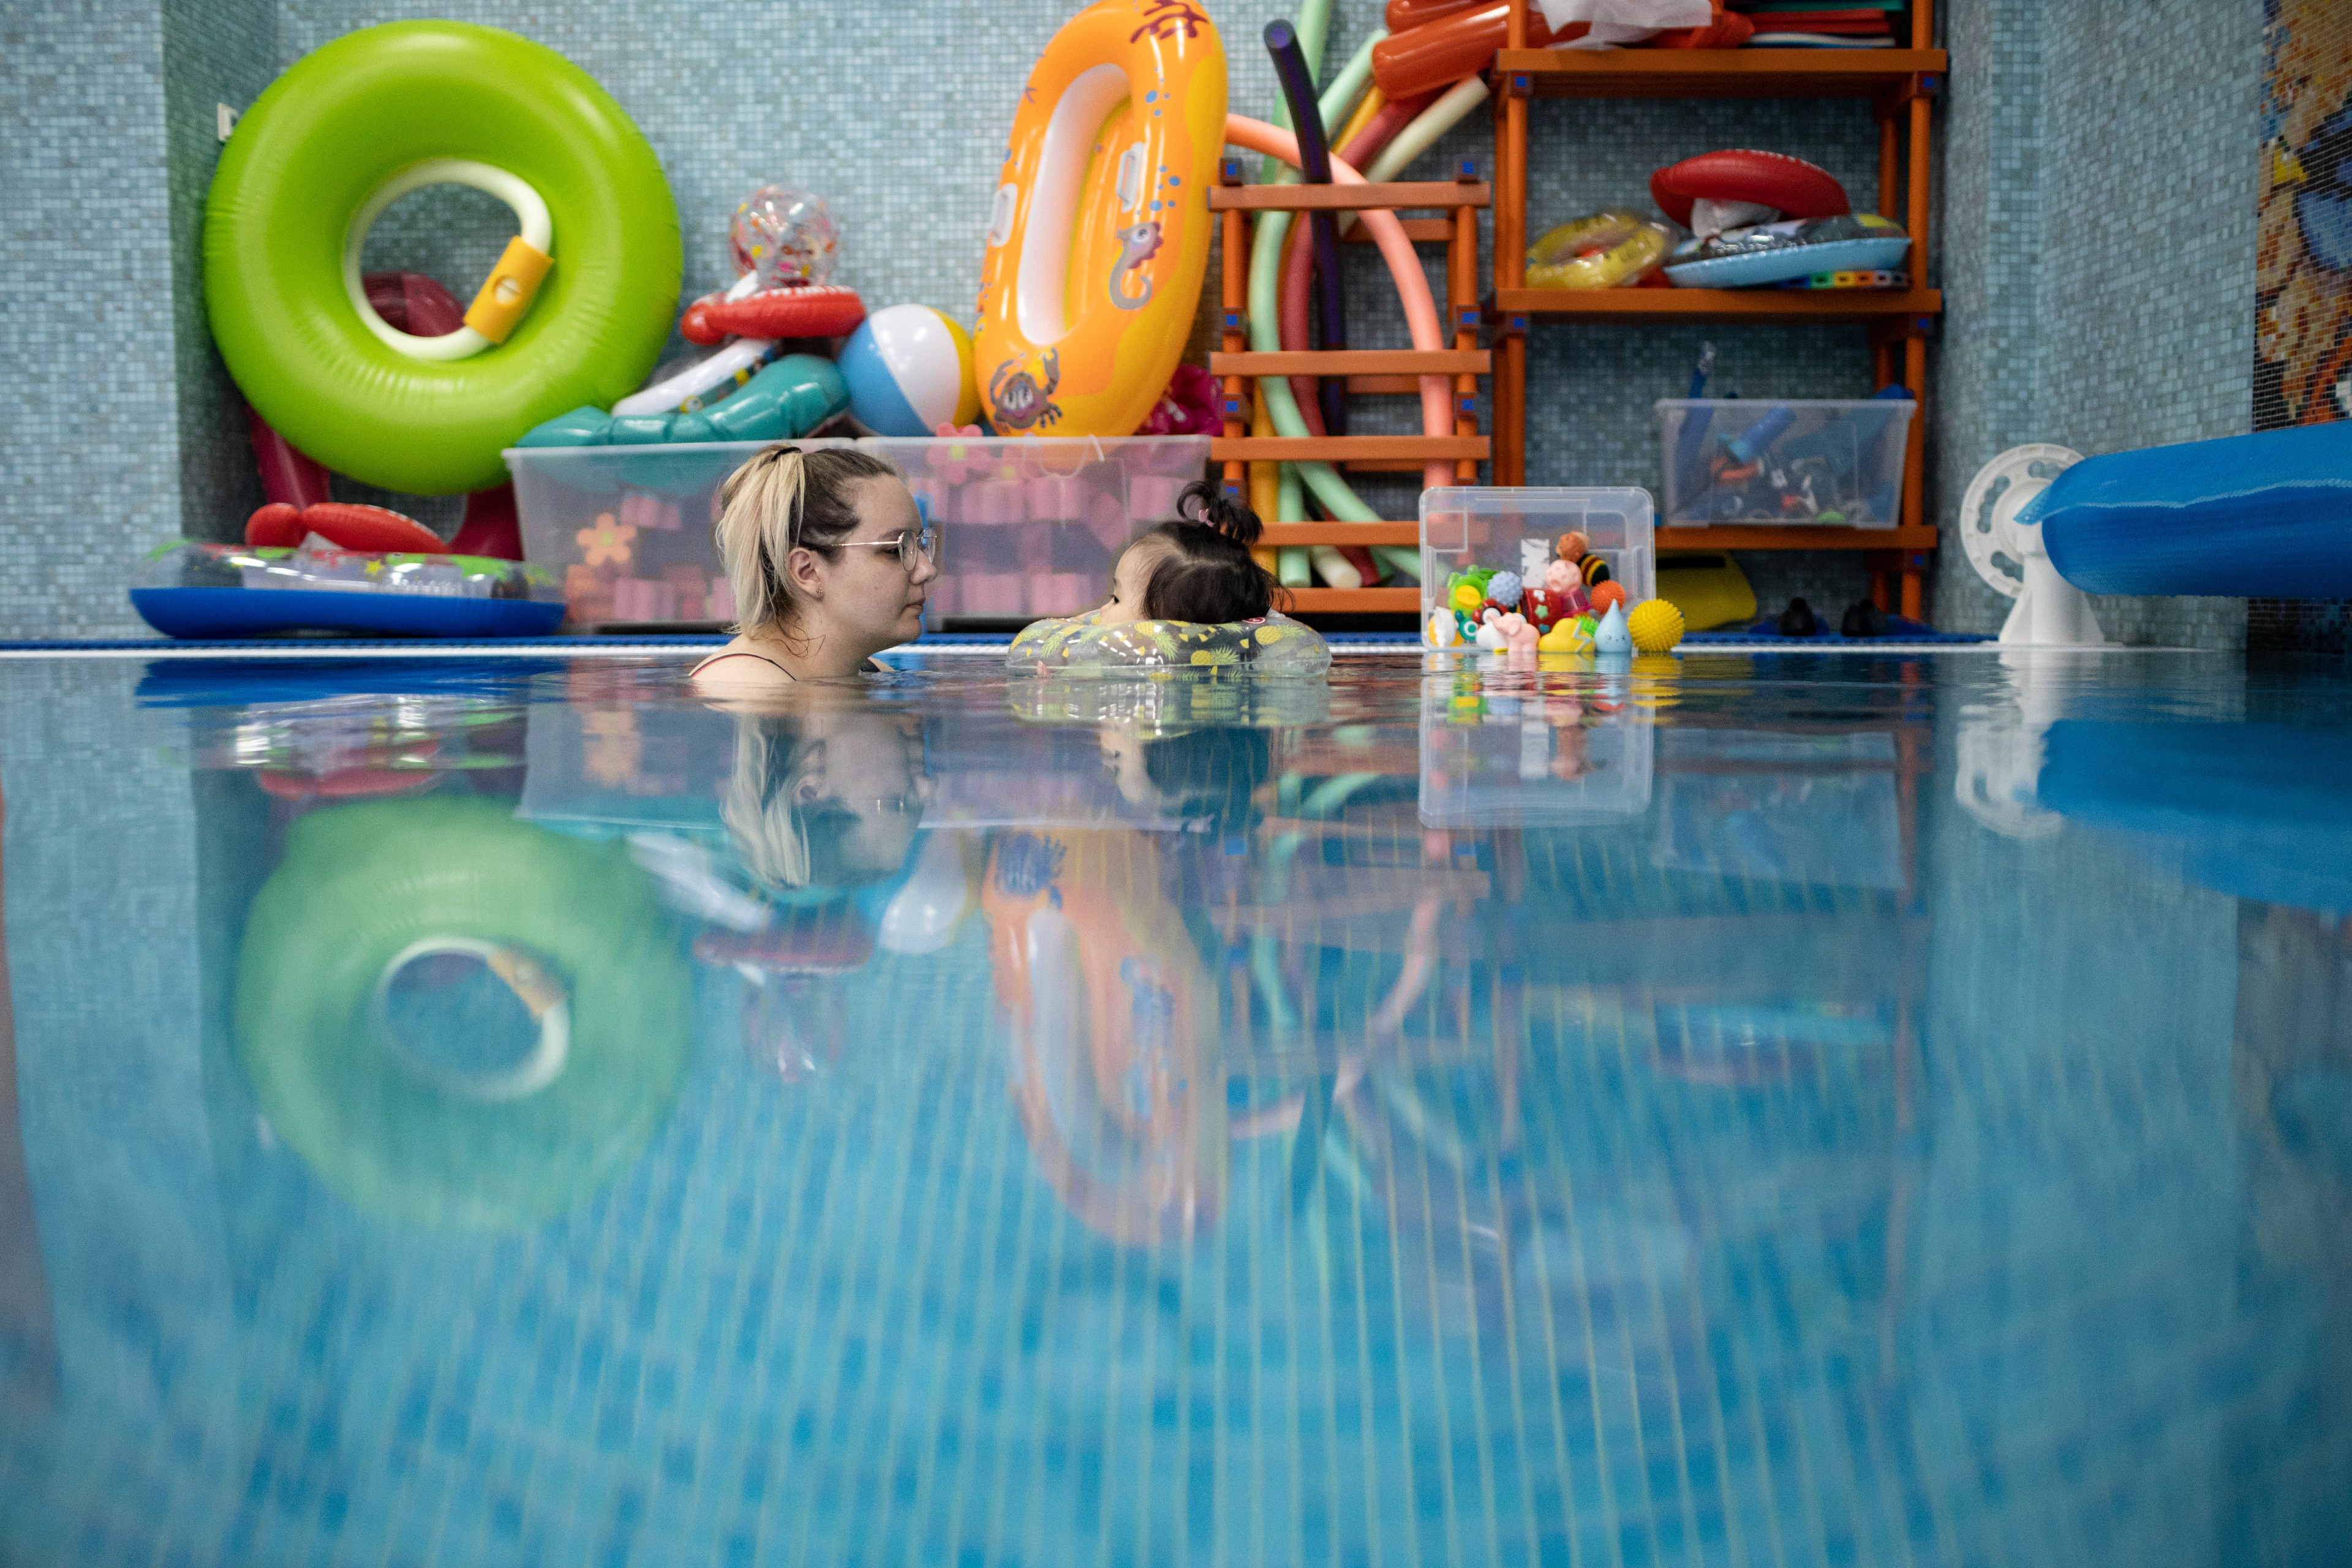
(207, 612)
(2263, 516)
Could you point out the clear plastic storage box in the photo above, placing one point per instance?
(1784, 463)
(1027, 528)
(1520, 529)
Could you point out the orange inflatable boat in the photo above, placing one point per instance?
(1099, 234)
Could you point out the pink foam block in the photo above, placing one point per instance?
(995, 503)
(993, 594)
(1059, 496)
(1059, 592)
(642, 599)
(1151, 498)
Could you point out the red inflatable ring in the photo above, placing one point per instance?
(813, 310)
(1797, 188)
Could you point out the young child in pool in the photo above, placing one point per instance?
(1207, 600)
(1195, 567)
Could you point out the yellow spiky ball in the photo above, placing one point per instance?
(1655, 626)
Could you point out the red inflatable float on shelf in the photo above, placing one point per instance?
(1792, 186)
(364, 529)
(810, 311)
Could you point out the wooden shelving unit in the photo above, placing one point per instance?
(1373, 372)
(1899, 85)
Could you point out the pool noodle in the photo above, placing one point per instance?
(1451, 106)
(1265, 249)
(1296, 260)
(1315, 165)
(1297, 267)
(1261, 473)
(1313, 25)
(1420, 321)
(2261, 516)
(1370, 104)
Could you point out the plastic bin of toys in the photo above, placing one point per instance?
(1476, 543)
(1027, 528)
(1732, 462)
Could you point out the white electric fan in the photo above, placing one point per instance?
(2051, 612)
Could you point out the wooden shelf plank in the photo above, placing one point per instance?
(1355, 362)
(1355, 601)
(1394, 196)
(1719, 73)
(1717, 304)
(1346, 449)
(1764, 537)
(1291, 533)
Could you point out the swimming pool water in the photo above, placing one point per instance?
(1759, 1110)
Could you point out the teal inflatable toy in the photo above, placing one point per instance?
(795, 396)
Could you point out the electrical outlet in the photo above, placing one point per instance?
(223, 120)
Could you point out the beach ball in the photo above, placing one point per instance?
(909, 371)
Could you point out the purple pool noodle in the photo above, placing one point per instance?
(1315, 168)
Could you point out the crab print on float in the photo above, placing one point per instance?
(1016, 400)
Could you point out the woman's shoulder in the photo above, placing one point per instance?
(740, 666)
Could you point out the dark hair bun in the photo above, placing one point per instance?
(1205, 501)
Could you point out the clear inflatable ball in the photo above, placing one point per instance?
(787, 237)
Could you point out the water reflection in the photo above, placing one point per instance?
(1824, 1109)
(456, 1017)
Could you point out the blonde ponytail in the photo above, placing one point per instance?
(782, 499)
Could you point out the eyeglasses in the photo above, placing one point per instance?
(922, 544)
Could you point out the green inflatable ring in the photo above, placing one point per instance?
(363, 889)
(337, 130)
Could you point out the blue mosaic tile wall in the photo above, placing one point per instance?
(86, 267)
(214, 52)
(2098, 243)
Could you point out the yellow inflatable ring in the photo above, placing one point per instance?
(1608, 250)
(1098, 235)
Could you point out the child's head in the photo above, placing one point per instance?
(804, 537)
(1209, 775)
(1195, 567)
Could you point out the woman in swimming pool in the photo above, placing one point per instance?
(1195, 567)
(829, 563)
